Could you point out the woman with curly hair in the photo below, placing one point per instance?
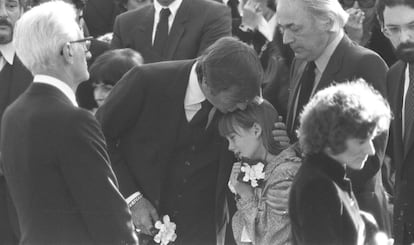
(336, 131)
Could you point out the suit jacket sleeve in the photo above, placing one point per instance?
(217, 25)
(85, 167)
(117, 116)
(116, 42)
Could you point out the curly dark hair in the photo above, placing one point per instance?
(339, 112)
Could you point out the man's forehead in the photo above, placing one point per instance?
(397, 15)
(289, 12)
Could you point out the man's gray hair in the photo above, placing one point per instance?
(327, 10)
(41, 33)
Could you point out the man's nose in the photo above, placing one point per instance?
(356, 5)
(287, 37)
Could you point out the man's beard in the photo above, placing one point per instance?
(6, 38)
(405, 52)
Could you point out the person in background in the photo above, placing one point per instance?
(109, 68)
(324, 55)
(249, 133)
(363, 27)
(127, 5)
(172, 29)
(397, 21)
(336, 132)
(14, 79)
(53, 154)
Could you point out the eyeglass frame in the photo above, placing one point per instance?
(372, 3)
(409, 27)
(87, 41)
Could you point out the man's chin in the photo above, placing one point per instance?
(5, 39)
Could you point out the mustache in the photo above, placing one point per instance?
(5, 22)
(407, 45)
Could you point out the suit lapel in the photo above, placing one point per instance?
(298, 68)
(20, 80)
(334, 64)
(177, 29)
(143, 31)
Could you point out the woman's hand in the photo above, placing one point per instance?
(243, 189)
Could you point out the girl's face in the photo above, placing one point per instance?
(100, 92)
(246, 142)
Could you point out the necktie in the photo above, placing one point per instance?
(202, 115)
(409, 104)
(306, 86)
(233, 5)
(161, 35)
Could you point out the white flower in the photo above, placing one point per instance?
(166, 232)
(253, 173)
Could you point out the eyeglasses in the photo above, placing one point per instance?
(361, 3)
(394, 31)
(86, 40)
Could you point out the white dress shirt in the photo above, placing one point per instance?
(173, 9)
(406, 84)
(7, 54)
(63, 87)
(193, 95)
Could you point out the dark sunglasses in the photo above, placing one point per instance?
(362, 3)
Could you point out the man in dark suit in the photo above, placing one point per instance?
(161, 128)
(53, 154)
(14, 79)
(190, 26)
(396, 18)
(323, 55)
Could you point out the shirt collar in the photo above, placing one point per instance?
(173, 7)
(194, 94)
(8, 52)
(323, 60)
(63, 87)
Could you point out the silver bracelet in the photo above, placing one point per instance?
(135, 198)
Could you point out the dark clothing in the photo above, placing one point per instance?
(350, 61)
(99, 16)
(14, 79)
(402, 155)
(197, 25)
(154, 149)
(58, 173)
(322, 207)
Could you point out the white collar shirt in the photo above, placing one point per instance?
(193, 95)
(63, 87)
(7, 54)
(174, 6)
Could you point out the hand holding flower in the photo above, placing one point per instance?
(166, 232)
(241, 188)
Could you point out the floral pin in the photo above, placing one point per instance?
(166, 231)
(252, 173)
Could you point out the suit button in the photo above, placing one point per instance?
(180, 196)
(193, 148)
(184, 181)
(187, 163)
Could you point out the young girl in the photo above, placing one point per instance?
(262, 216)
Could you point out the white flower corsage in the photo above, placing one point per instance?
(252, 173)
(166, 231)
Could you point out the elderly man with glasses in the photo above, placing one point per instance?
(54, 157)
(397, 20)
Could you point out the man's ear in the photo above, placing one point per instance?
(67, 53)
(257, 129)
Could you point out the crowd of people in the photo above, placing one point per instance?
(244, 121)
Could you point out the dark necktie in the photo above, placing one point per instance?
(161, 35)
(306, 86)
(233, 5)
(409, 105)
(202, 115)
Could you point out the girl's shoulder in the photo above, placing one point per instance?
(286, 163)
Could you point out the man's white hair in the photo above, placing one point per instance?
(42, 32)
(328, 10)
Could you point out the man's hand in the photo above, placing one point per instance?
(144, 216)
(277, 198)
(280, 134)
(354, 25)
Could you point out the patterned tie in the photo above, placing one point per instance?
(306, 82)
(409, 105)
(202, 115)
(161, 34)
